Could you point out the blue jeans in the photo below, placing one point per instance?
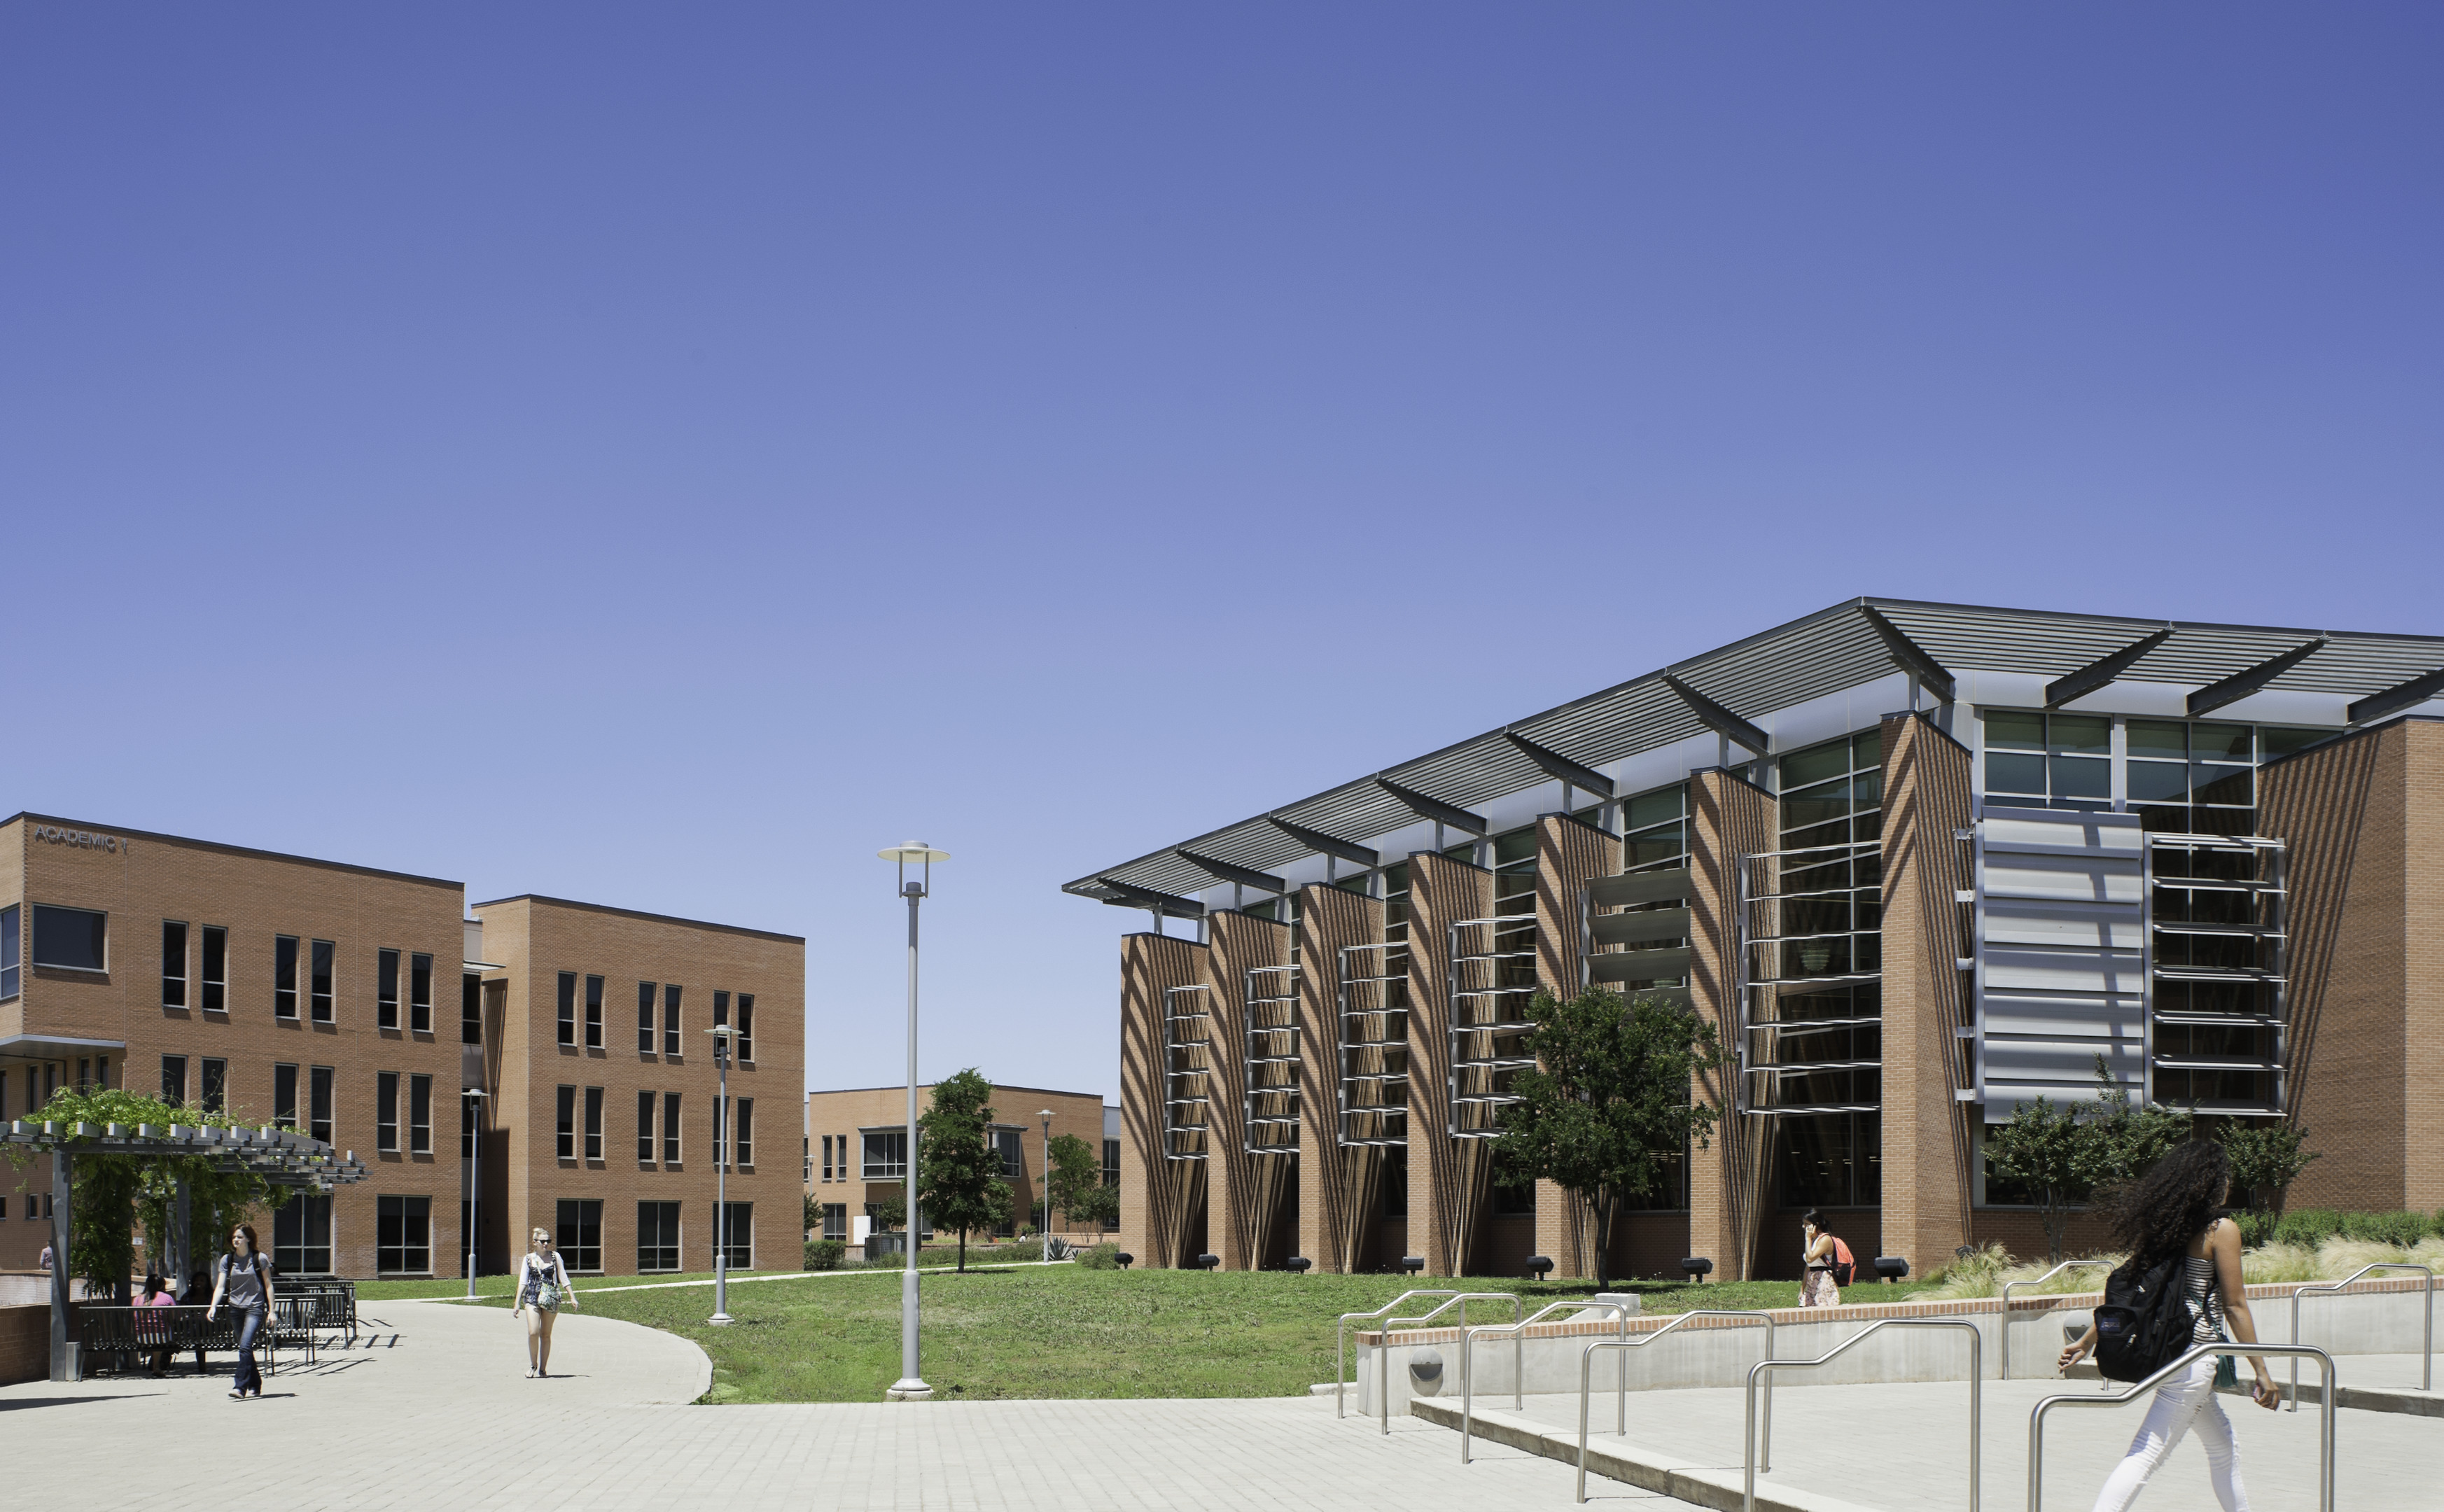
(249, 1324)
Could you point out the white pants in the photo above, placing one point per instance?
(2180, 1405)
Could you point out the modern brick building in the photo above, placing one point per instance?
(857, 1149)
(357, 1006)
(1916, 862)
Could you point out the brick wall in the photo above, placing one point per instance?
(1568, 856)
(1446, 1176)
(1340, 1186)
(25, 1344)
(1246, 1194)
(1730, 1177)
(1162, 1201)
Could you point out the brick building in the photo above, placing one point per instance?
(356, 1004)
(857, 1148)
(1916, 862)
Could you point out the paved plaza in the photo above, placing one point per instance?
(431, 1409)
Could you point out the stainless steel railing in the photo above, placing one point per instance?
(1518, 1332)
(1340, 1339)
(2067, 1264)
(2325, 1436)
(1758, 1453)
(1383, 1349)
(2427, 1367)
(1620, 1406)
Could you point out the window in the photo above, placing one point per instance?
(404, 1236)
(1010, 1144)
(567, 1123)
(215, 969)
(1831, 1160)
(2181, 776)
(807, 1154)
(1514, 1199)
(1830, 940)
(670, 1128)
(580, 1235)
(568, 1007)
(10, 924)
(72, 939)
(284, 1095)
(215, 1084)
(827, 1157)
(2060, 760)
(747, 1026)
(671, 1018)
(645, 1127)
(594, 1124)
(419, 1116)
(471, 1008)
(658, 1237)
(594, 1013)
(174, 1080)
(887, 1154)
(301, 1236)
(738, 1235)
(386, 989)
(420, 993)
(834, 1220)
(320, 1096)
(720, 1009)
(720, 1147)
(174, 963)
(323, 952)
(386, 1110)
(645, 1018)
(747, 1133)
(284, 977)
(1396, 1190)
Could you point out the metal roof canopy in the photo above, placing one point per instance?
(1850, 644)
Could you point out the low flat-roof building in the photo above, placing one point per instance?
(857, 1150)
(1919, 863)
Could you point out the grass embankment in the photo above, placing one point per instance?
(1065, 1332)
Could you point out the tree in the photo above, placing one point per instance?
(2265, 1156)
(2122, 1138)
(1076, 1180)
(2040, 1147)
(890, 1212)
(960, 1181)
(814, 1214)
(1609, 1101)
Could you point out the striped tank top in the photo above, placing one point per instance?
(2198, 1273)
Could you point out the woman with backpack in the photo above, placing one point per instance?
(243, 1279)
(543, 1291)
(1825, 1262)
(2170, 1222)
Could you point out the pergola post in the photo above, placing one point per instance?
(62, 1228)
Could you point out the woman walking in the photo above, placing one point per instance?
(1819, 1251)
(543, 1291)
(2172, 1209)
(243, 1278)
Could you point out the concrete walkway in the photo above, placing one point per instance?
(431, 1409)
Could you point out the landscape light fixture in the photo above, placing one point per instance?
(911, 1387)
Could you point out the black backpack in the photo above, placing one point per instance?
(2145, 1321)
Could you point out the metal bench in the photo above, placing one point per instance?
(124, 1334)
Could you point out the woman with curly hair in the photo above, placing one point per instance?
(2174, 1208)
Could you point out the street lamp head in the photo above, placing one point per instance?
(918, 854)
(1045, 1114)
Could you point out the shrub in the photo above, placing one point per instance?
(2255, 1228)
(825, 1254)
(2308, 1226)
(2402, 1229)
(1102, 1257)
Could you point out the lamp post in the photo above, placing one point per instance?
(474, 1186)
(1046, 1117)
(911, 1387)
(724, 1123)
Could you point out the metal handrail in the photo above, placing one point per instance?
(1518, 1332)
(1620, 1406)
(1383, 1350)
(2427, 1366)
(2326, 1437)
(2067, 1264)
(1756, 1451)
(1340, 1339)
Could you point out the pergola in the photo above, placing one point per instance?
(282, 1157)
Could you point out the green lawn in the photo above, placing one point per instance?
(501, 1285)
(1065, 1332)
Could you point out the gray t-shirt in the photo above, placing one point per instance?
(243, 1280)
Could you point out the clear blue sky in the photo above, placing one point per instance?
(659, 454)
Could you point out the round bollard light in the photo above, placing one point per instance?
(1208, 1261)
(1125, 1259)
(1891, 1268)
(1298, 1264)
(1698, 1267)
(1540, 1266)
(1412, 1264)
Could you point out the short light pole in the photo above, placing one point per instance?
(474, 1183)
(911, 1387)
(1046, 1117)
(723, 1122)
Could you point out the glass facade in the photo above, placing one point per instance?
(2186, 777)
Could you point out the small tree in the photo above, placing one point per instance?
(1076, 1176)
(1609, 1101)
(890, 1212)
(2265, 1156)
(2124, 1137)
(814, 1214)
(960, 1181)
(2040, 1147)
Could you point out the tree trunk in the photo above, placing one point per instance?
(1607, 1210)
(963, 1251)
